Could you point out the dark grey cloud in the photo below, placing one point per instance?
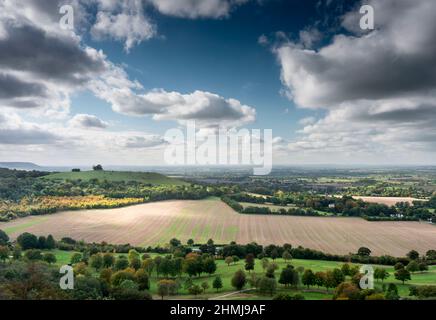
(30, 49)
(397, 60)
(379, 87)
(13, 87)
(421, 114)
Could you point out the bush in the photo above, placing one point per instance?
(28, 241)
(33, 254)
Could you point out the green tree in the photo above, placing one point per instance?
(4, 238)
(188, 283)
(320, 278)
(27, 241)
(49, 258)
(217, 283)
(98, 167)
(431, 254)
(338, 277)
(265, 263)
(133, 254)
(267, 285)
(239, 280)
(16, 253)
(4, 253)
(329, 281)
(42, 242)
(76, 258)
(50, 242)
(413, 255)
(364, 252)
(81, 269)
(96, 261)
(413, 266)
(145, 256)
(193, 265)
(190, 242)
(108, 260)
(289, 276)
(380, 274)
(228, 261)
(195, 290)
(148, 265)
(175, 243)
(33, 254)
(392, 292)
(402, 275)
(209, 265)
(398, 266)
(121, 263)
(346, 269)
(142, 279)
(165, 267)
(308, 278)
(128, 284)
(423, 266)
(135, 263)
(119, 276)
(287, 256)
(106, 275)
(177, 267)
(274, 254)
(205, 286)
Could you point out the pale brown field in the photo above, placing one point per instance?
(156, 223)
(389, 201)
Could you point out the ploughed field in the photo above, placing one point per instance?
(157, 223)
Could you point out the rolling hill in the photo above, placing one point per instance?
(143, 177)
(20, 165)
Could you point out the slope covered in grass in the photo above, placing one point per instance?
(143, 177)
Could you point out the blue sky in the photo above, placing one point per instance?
(221, 56)
(108, 89)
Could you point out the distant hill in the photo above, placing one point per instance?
(144, 177)
(20, 165)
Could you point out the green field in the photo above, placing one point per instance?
(116, 176)
(273, 207)
(226, 273)
(23, 226)
(276, 208)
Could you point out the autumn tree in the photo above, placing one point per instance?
(239, 280)
(249, 262)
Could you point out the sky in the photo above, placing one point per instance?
(107, 90)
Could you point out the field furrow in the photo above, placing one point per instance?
(157, 223)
